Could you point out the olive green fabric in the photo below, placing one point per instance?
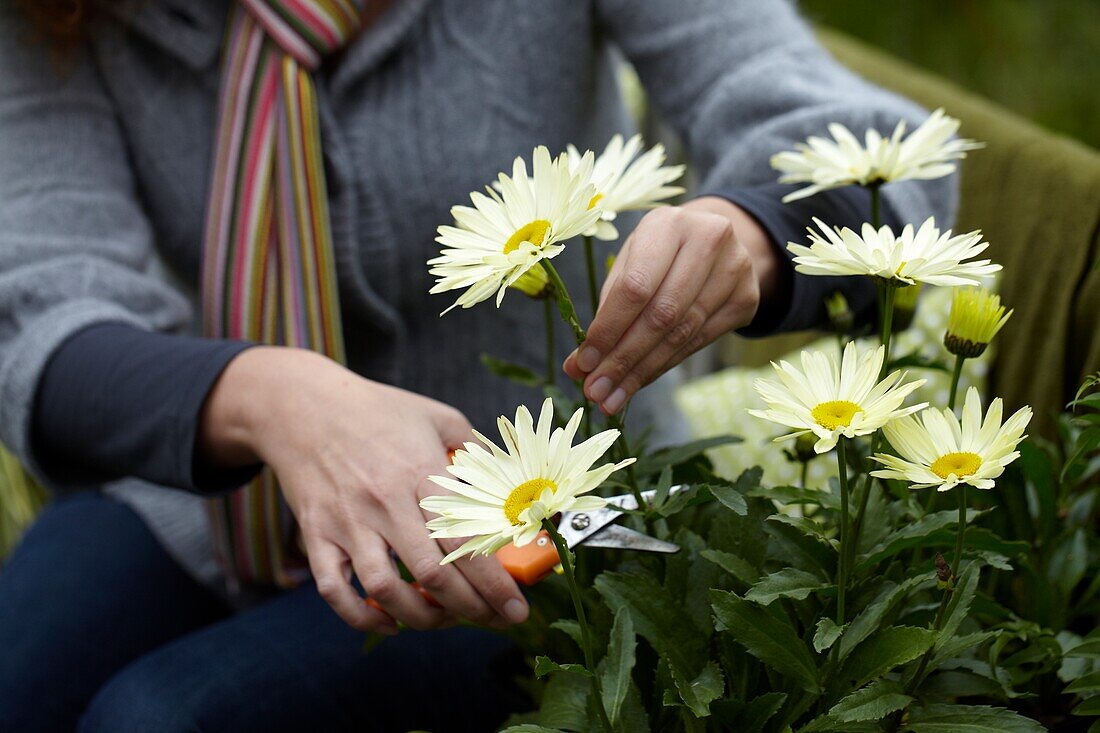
(1036, 196)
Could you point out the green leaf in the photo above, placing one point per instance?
(677, 454)
(665, 623)
(570, 628)
(615, 668)
(512, 372)
(1087, 683)
(948, 649)
(787, 495)
(766, 637)
(885, 650)
(969, 719)
(867, 622)
(700, 692)
(810, 528)
(564, 704)
(730, 498)
(1088, 648)
(958, 606)
(529, 728)
(787, 583)
(1069, 561)
(912, 535)
(873, 702)
(735, 565)
(1088, 706)
(546, 665)
(748, 717)
(826, 633)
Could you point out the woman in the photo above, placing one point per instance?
(130, 606)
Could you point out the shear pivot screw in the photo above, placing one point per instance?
(580, 521)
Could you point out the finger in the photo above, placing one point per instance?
(422, 557)
(382, 583)
(648, 260)
(493, 583)
(733, 315)
(671, 317)
(681, 341)
(331, 568)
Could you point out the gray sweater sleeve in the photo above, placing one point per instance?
(75, 246)
(741, 80)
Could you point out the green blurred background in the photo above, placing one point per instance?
(1039, 58)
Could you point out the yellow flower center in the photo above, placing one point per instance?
(960, 464)
(835, 414)
(534, 232)
(595, 200)
(524, 496)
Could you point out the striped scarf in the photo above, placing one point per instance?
(268, 270)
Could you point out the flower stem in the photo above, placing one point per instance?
(960, 533)
(565, 303)
(876, 218)
(593, 289)
(955, 375)
(622, 450)
(842, 563)
(551, 370)
(886, 299)
(857, 523)
(586, 637)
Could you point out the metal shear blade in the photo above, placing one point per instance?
(596, 529)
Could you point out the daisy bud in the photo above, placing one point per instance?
(840, 315)
(905, 306)
(943, 572)
(976, 317)
(534, 283)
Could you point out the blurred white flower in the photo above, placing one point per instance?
(923, 255)
(929, 152)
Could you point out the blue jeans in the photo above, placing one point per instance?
(100, 630)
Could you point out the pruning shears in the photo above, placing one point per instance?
(534, 561)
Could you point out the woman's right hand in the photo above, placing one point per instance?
(352, 457)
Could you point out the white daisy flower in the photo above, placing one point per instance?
(501, 496)
(924, 255)
(834, 402)
(928, 153)
(938, 450)
(510, 230)
(627, 182)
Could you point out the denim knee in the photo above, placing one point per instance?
(135, 702)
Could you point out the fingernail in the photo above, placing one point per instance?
(588, 359)
(599, 389)
(515, 611)
(615, 401)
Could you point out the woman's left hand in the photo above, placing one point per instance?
(685, 276)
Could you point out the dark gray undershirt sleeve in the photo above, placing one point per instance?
(805, 307)
(116, 401)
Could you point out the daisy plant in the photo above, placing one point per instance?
(836, 402)
(508, 495)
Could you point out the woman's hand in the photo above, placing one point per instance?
(687, 275)
(352, 457)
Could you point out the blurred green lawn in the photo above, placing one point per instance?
(1040, 58)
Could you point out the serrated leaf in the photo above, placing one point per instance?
(767, 638)
(868, 621)
(912, 535)
(873, 702)
(730, 498)
(700, 692)
(951, 648)
(787, 495)
(885, 650)
(735, 565)
(826, 633)
(958, 607)
(1069, 561)
(529, 728)
(546, 665)
(663, 622)
(564, 704)
(512, 372)
(969, 719)
(615, 668)
(786, 583)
